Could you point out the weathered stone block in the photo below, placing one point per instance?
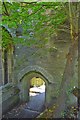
(10, 97)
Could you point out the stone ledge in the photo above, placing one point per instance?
(9, 95)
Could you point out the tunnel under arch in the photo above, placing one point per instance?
(27, 74)
(25, 85)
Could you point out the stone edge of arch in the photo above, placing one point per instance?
(36, 69)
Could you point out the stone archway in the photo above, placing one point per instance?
(36, 69)
(25, 85)
(27, 74)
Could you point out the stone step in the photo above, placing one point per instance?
(26, 113)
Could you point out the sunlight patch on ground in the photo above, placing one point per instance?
(37, 90)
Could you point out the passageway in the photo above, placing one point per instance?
(36, 102)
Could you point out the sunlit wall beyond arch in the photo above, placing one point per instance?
(37, 90)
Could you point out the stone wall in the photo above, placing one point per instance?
(9, 97)
(49, 61)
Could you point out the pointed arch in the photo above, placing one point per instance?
(36, 69)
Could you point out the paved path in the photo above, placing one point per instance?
(31, 109)
(34, 107)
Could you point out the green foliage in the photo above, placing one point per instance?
(6, 39)
(37, 19)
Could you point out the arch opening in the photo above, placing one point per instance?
(25, 78)
(37, 88)
(34, 87)
(37, 94)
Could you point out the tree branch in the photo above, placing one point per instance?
(35, 12)
(5, 9)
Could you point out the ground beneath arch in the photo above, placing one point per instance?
(29, 110)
